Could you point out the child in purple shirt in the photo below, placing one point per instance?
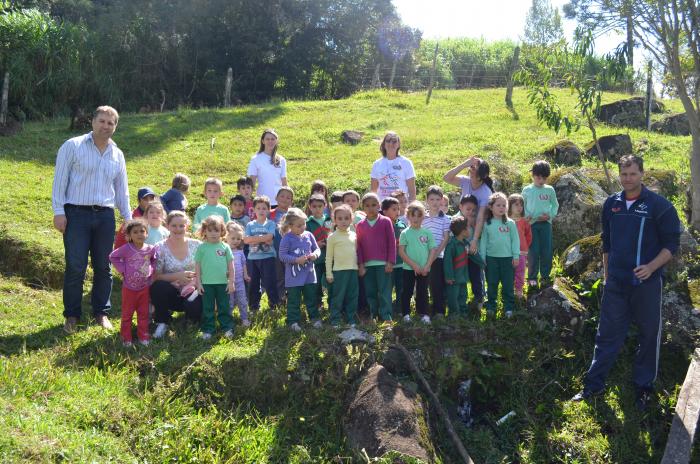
(298, 251)
(239, 297)
(136, 262)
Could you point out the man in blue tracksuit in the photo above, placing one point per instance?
(641, 231)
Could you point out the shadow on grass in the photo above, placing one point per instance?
(142, 135)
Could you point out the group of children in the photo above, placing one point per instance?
(361, 250)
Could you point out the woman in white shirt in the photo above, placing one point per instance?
(392, 171)
(267, 168)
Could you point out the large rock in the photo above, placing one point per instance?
(583, 260)
(386, 416)
(628, 113)
(679, 311)
(352, 137)
(580, 203)
(661, 181)
(560, 306)
(614, 147)
(675, 124)
(686, 261)
(564, 153)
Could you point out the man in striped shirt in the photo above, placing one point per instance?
(89, 182)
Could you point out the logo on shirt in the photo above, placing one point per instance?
(504, 229)
(616, 210)
(544, 196)
(423, 239)
(220, 252)
(396, 167)
(641, 208)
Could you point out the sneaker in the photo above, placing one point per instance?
(228, 334)
(509, 314)
(144, 342)
(127, 344)
(245, 323)
(295, 327)
(336, 326)
(206, 336)
(103, 322)
(161, 330)
(407, 318)
(318, 324)
(586, 394)
(532, 283)
(425, 319)
(644, 396)
(70, 325)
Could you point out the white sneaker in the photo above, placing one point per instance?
(509, 314)
(407, 318)
(245, 323)
(206, 335)
(127, 344)
(228, 334)
(144, 342)
(425, 319)
(295, 327)
(161, 330)
(318, 324)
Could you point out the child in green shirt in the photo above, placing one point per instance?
(213, 191)
(455, 265)
(500, 247)
(418, 250)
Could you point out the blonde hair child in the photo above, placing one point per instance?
(239, 297)
(341, 268)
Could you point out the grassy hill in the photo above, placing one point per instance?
(269, 395)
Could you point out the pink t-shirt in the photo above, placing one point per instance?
(137, 266)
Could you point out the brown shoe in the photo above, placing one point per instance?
(103, 322)
(70, 325)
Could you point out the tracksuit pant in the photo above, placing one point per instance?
(344, 290)
(294, 297)
(135, 301)
(378, 289)
(215, 296)
(540, 253)
(624, 303)
(262, 271)
(436, 277)
(499, 270)
(420, 282)
(457, 299)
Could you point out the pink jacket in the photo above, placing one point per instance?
(137, 266)
(376, 242)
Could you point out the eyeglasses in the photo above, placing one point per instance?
(391, 141)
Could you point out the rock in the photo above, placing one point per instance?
(661, 181)
(395, 362)
(454, 197)
(686, 261)
(352, 137)
(386, 416)
(11, 128)
(628, 113)
(613, 146)
(583, 260)
(354, 336)
(559, 305)
(580, 203)
(678, 311)
(675, 124)
(564, 153)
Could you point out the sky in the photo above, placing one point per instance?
(490, 19)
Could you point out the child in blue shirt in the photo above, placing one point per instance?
(259, 235)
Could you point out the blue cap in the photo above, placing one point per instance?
(144, 192)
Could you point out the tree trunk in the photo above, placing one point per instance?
(630, 43)
(227, 88)
(5, 97)
(601, 156)
(695, 178)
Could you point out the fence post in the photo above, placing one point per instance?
(227, 90)
(432, 74)
(375, 78)
(513, 66)
(650, 96)
(393, 73)
(5, 97)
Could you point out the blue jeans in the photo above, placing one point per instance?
(87, 233)
(262, 272)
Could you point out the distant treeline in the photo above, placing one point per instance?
(153, 54)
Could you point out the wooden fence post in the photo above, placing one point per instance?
(650, 96)
(432, 74)
(227, 90)
(5, 97)
(513, 67)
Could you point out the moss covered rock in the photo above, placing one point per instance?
(613, 146)
(560, 306)
(564, 153)
(582, 262)
(580, 203)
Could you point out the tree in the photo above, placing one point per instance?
(397, 41)
(670, 31)
(543, 24)
(540, 76)
(603, 16)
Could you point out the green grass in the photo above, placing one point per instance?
(269, 395)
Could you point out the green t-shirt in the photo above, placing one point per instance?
(417, 244)
(206, 210)
(540, 200)
(213, 259)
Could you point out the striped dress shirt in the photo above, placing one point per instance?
(438, 225)
(84, 176)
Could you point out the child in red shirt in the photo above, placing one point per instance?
(516, 206)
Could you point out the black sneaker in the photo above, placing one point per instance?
(586, 394)
(644, 397)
